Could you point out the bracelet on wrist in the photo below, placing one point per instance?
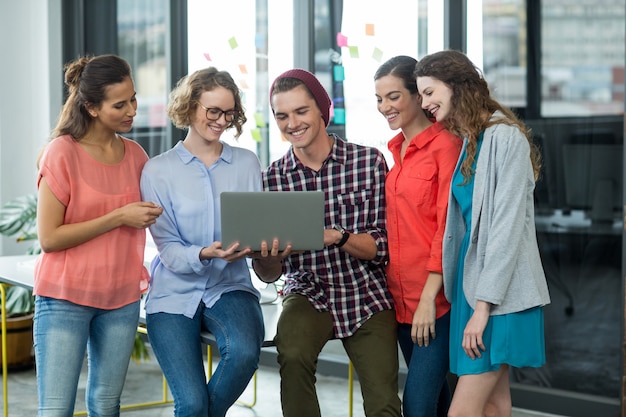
(345, 235)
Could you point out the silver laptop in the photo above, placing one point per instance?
(295, 217)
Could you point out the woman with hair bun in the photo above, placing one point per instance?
(91, 227)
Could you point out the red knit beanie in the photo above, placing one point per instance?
(312, 83)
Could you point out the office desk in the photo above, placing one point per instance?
(576, 222)
(570, 242)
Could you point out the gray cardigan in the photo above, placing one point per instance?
(502, 264)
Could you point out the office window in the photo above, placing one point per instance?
(582, 54)
(503, 49)
(583, 57)
(142, 41)
(369, 36)
(243, 47)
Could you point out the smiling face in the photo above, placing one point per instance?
(396, 103)
(298, 117)
(119, 107)
(211, 130)
(436, 97)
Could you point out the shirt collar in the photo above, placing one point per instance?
(419, 141)
(338, 153)
(187, 157)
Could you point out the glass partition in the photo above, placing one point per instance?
(579, 201)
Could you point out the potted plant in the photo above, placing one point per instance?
(18, 217)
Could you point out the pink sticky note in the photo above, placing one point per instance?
(207, 56)
(369, 29)
(341, 39)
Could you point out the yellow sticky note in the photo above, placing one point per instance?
(259, 120)
(256, 135)
(369, 29)
(233, 43)
(354, 51)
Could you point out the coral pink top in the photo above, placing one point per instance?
(106, 272)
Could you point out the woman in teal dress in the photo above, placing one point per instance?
(493, 275)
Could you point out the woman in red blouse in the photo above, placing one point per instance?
(417, 187)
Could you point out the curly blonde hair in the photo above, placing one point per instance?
(184, 97)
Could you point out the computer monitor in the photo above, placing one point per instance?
(593, 179)
(569, 183)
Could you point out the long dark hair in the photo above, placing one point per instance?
(87, 79)
(400, 66)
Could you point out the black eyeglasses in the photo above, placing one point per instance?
(214, 113)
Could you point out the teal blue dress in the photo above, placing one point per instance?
(516, 339)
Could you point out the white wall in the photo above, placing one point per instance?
(31, 89)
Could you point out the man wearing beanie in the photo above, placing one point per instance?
(339, 292)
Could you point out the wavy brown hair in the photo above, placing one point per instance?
(471, 106)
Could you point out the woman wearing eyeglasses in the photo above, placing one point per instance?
(196, 283)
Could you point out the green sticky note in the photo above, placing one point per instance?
(258, 118)
(232, 42)
(354, 51)
(256, 135)
(338, 73)
(377, 54)
(340, 116)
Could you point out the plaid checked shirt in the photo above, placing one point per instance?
(353, 180)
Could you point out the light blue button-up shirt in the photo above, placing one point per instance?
(189, 193)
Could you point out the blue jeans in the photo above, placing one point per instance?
(236, 321)
(62, 332)
(426, 391)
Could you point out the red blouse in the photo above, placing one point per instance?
(417, 197)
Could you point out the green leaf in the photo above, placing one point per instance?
(19, 216)
(140, 351)
(20, 301)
